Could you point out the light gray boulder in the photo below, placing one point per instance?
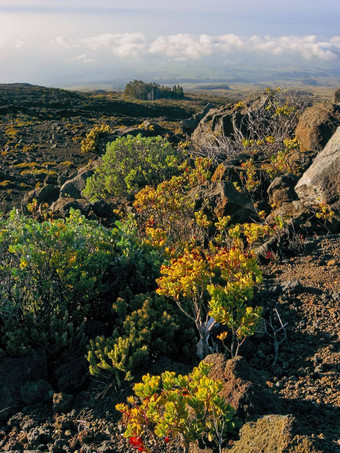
(321, 182)
(73, 187)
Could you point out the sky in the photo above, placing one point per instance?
(60, 42)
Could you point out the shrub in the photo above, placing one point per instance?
(188, 407)
(131, 163)
(90, 142)
(55, 273)
(147, 327)
(166, 213)
(228, 276)
(50, 273)
(136, 265)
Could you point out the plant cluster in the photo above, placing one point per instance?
(50, 274)
(90, 142)
(185, 407)
(129, 164)
(165, 213)
(146, 328)
(55, 273)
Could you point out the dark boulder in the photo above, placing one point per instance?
(36, 391)
(73, 187)
(218, 199)
(216, 123)
(190, 124)
(230, 169)
(46, 194)
(61, 207)
(70, 372)
(281, 190)
(14, 373)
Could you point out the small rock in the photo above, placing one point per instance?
(38, 436)
(61, 402)
(71, 372)
(291, 286)
(281, 190)
(102, 209)
(271, 433)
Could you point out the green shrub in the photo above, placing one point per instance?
(50, 274)
(55, 273)
(136, 266)
(131, 163)
(147, 327)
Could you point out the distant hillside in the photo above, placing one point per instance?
(42, 102)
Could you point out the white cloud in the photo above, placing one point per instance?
(120, 44)
(185, 46)
(83, 58)
(193, 47)
(182, 46)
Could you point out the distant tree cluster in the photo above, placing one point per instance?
(151, 91)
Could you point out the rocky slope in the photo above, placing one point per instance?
(41, 130)
(285, 386)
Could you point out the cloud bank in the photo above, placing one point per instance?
(120, 44)
(193, 47)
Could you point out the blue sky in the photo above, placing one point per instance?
(55, 41)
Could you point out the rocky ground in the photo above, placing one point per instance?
(41, 131)
(305, 291)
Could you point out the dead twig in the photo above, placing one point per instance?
(276, 333)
